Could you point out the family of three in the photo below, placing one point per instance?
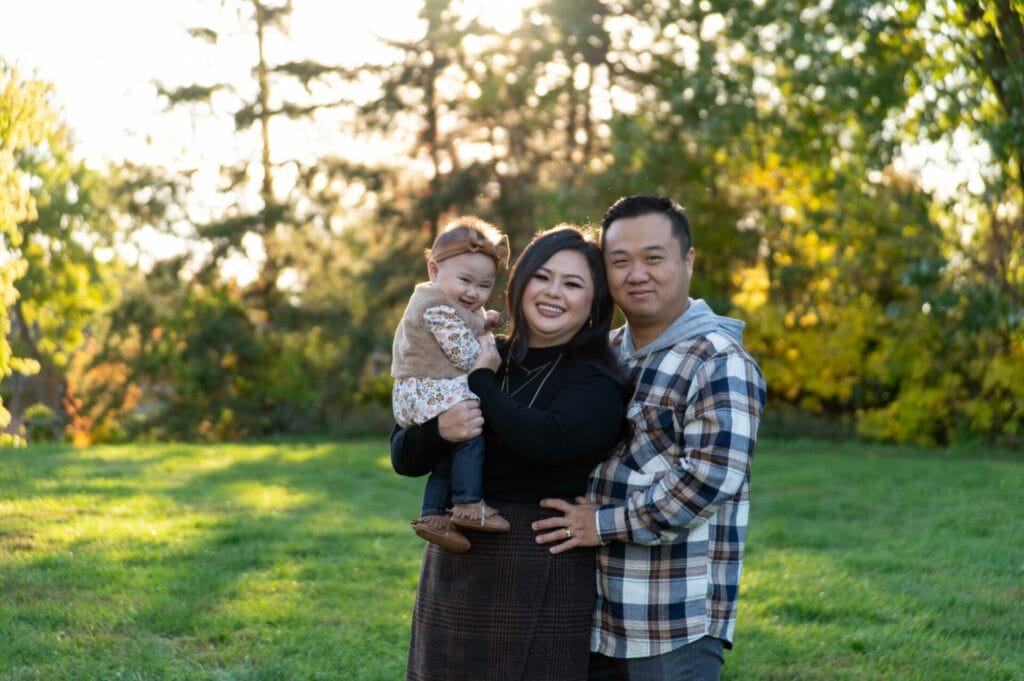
(567, 456)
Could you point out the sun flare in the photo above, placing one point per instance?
(503, 16)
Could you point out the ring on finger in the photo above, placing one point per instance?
(568, 533)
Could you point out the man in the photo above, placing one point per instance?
(669, 510)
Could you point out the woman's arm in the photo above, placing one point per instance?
(416, 450)
(586, 416)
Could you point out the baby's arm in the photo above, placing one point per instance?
(492, 320)
(455, 338)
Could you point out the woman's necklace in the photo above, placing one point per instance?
(531, 374)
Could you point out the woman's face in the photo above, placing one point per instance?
(557, 299)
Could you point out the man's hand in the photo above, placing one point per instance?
(489, 357)
(576, 527)
(462, 422)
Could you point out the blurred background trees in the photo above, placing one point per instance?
(877, 304)
(53, 230)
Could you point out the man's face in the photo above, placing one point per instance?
(647, 273)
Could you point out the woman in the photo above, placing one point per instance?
(553, 403)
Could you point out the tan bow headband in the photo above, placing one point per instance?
(473, 243)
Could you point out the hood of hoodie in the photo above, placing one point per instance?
(696, 322)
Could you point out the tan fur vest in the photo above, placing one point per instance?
(415, 352)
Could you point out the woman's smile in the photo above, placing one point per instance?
(550, 310)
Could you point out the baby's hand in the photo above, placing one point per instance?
(492, 319)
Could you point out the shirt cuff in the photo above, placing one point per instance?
(604, 523)
(482, 379)
(613, 524)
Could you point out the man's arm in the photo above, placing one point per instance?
(719, 429)
(717, 436)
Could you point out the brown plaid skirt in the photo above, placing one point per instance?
(506, 610)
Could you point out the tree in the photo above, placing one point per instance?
(65, 285)
(967, 84)
(779, 124)
(49, 284)
(234, 356)
(773, 123)
(276, 92)
(503, 124)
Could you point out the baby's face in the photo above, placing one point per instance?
(466, 279)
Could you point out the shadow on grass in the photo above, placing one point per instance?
(294, 560)
(257, 556)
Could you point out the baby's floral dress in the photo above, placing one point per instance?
(417, 400)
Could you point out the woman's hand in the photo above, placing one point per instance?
(489, 357)
(462, 422)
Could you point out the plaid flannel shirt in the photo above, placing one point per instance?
(674, 501)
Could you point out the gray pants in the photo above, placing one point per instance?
(698, 661)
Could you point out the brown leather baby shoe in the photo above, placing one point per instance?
(449, 539)
(489, 521)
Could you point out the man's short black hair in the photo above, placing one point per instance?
(645, 204)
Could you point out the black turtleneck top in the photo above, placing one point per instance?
(547, 423)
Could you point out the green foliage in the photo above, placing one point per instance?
(871, 303)
(201, 362)
(841, 291)
(204, 368)
(41, 423)
(978, 395)
(46, 283)
(66, 285)
(295, 349)
(970, 77)
(968, 84)
(775, 124)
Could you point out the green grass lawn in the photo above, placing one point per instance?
(295, 561)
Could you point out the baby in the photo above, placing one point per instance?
(435, 346)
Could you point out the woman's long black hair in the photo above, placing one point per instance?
(591, 342)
